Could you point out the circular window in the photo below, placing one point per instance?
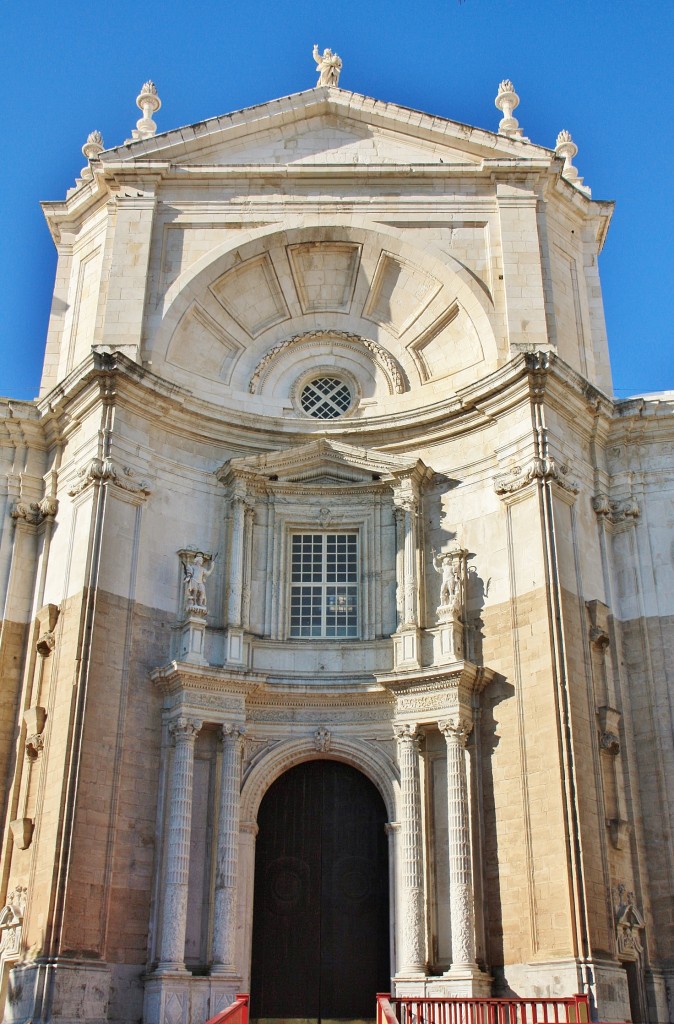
(325, 398)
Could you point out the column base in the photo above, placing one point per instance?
(186, 997)
(466, 980)
(225, 972)
(171, 970)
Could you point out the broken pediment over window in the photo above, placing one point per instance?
(629, 924)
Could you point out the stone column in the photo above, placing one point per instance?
(236, 560)
(227, 857)
(413, 946)
(462, 908)
(177, 858)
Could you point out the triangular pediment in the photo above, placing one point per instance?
(324, 126)
(324, 463)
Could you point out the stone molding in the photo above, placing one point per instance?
(368, 758)
(391, 369)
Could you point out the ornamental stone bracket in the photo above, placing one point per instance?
(46, 641)
(22, 832)
(543, 470)
(104, 471)
(616, 512)
(35, 513)
(35, 719)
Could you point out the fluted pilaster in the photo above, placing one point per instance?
(236, 560)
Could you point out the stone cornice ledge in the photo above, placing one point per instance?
(179, 675)
(464, 675)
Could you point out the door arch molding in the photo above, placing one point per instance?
(377, 766)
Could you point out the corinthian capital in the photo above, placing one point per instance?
(456, 728)
(184, 730)
(406, 732)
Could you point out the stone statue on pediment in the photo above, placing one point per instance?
(328, 65)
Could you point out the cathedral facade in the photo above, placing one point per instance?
(336, 645)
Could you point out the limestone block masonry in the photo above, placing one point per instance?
(325, 467)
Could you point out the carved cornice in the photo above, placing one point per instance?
(34, 513)
(104, 471)
(546, 470)
(392, 371)
(615, 512)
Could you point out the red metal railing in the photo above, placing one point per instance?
(235, 1013)
(410, 1010)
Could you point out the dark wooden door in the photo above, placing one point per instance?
(320, 922)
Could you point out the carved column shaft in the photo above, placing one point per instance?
(236, 561)
(177, 860)
(413, 951)
(226, 868)
(462, 908)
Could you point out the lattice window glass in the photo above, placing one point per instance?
(324, 585)
(325, 398)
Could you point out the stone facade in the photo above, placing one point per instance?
(330, 317)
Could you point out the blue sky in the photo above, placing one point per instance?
(600, 69)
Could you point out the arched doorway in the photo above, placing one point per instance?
(320, 918)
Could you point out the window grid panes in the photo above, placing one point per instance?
(324, 585)
(325, 398)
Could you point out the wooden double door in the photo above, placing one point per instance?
(321, 917)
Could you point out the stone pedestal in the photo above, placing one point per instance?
(407, 648)
(192, 636)
(60, 991)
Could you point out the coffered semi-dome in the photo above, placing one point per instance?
(392, 325)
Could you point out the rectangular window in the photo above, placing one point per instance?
(324, 585)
